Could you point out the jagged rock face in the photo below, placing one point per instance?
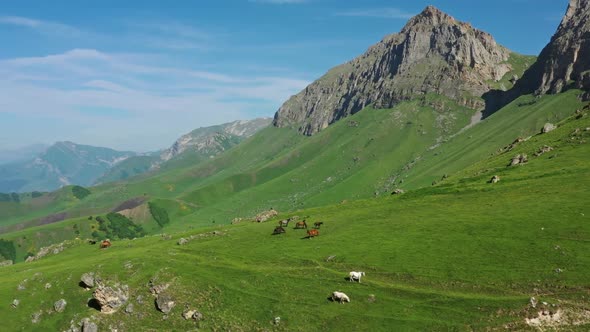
(566, 58)
(433, 53)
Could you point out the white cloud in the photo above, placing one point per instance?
(393, 13)
(158, 97)
(44, 27)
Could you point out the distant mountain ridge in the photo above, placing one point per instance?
(433, 53)
(210, 139)
(198, 145)
(68, 163)
(61, 164)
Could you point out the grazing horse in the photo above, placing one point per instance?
(301, 224)
(278, 230)
(312, 233)
(284, 223)
(317, 224)
(105, 244)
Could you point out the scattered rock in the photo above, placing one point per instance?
(236, 221)
(111, 299)
(533, 301)
(182, 241)
(139, 299)
(128, 265)
(398, 192)
(494, 179)
(129, 308)
(166, 236)
(548, 127)
(558, 270)
(192, 314)
(264, 216)
(60, 305)
(88, 326)
(371, 298)
(330, 258)
(21, 286)
(519, 160)
(52, 249)
(157, 289)
(15, 303)
(47, 285)
(36, 317)
(165, 302)
(543, 149)
(6, 263)
(276, 320)
(87, 280)
(197, 316)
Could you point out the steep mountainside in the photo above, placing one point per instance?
(194, 147)
(61, 164)
(566, 58)
(434, 53)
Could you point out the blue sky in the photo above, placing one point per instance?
(136, 75)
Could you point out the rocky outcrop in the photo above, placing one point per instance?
(111, 299)
(566, 58)
(265, 215)
(87, 280)
(519, 160)
(434, 53)
(547, 128)
(165, 302)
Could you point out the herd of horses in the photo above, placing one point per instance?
(280, 229)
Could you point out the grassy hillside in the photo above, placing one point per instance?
(366, 155)
(464, 254)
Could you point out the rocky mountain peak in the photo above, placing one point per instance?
(433, 53)
(429, 17)
(566, 58)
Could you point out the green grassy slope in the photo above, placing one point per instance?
(462, 255)
(367, 154)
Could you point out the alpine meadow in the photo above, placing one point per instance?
(437, 182)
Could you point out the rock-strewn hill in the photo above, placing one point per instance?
(434, 53)
(567, 56)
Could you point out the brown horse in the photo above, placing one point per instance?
(105, 244)
(312, 233)
(317, 224)
(301, 224)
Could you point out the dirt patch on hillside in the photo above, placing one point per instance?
(50, 219)
(139, 213)
(129, 204)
